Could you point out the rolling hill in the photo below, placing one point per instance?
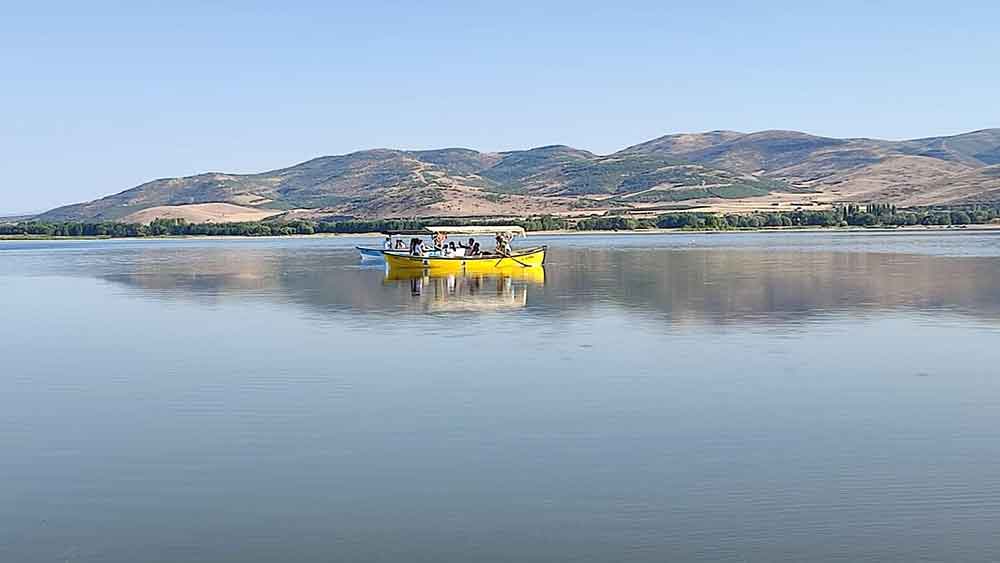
(717, 169)
(936, 170)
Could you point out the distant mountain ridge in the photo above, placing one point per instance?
(714, 169)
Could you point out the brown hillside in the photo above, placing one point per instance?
(724, 168)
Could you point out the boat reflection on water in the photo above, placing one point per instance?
(499, 291)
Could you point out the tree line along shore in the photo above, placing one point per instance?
(869, 215)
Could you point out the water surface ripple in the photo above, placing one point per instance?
(743, 397)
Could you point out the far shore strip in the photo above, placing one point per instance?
(564, 232)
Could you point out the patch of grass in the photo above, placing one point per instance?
(513, 189)
(737, 191)
(307, 202)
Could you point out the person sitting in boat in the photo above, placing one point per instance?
(468, 247)
(388, 243)
(415, 247)
(503, 245)
(474, 251)
(439, 239)
(453, 251)
(400, 245)
(423, 248)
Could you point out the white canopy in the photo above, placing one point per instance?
(479, 230)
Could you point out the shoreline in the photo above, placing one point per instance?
(810, 229)
(563, 232)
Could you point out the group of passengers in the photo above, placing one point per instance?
(441, 247)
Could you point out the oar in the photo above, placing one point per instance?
(512, 258)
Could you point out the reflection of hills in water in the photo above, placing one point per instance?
(697, 285)
(726, 285)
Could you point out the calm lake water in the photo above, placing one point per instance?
(743, 397)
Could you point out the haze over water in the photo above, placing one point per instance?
(745, 397)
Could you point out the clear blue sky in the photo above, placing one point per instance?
(98, 97)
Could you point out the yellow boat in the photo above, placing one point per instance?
(531, 276)
(518, 259)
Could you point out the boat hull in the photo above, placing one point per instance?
(371, 254)
(529, 258)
